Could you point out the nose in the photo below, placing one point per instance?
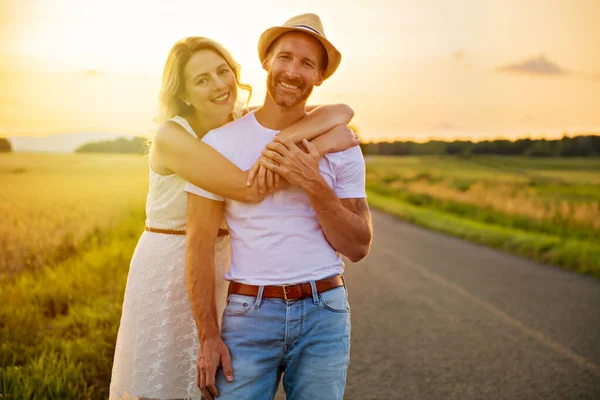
(219, 84)
(293, 69)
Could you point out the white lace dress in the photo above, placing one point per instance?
(157, 344)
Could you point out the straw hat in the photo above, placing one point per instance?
(307, 23)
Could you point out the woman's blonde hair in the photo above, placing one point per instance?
(173, 82)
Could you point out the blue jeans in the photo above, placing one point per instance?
(307, 340)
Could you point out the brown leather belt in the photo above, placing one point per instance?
(287, 292)
(222, 232)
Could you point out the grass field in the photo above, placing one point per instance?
(69, 226)
(545, 209)
(70, 223)
(50, 204)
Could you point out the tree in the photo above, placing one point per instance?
(5, 146)
(120, 145)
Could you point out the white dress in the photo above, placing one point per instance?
(157, 344)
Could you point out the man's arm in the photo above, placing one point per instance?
(346, 223)
(204, 218)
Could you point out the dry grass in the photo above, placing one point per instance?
(50, 204)
(559, 196)
(523, 202)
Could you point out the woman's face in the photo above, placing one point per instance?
(210, 85)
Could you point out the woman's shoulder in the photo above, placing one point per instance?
(174, 127)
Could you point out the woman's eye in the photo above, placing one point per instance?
(224, 71)
(202, 81)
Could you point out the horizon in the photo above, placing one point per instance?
(426, 71)
(117, 135)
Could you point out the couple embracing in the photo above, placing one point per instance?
(237, 279)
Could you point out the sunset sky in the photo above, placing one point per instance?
(411, 69)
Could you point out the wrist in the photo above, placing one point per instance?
(315, 185)
(209, 331)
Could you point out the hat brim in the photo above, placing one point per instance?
(334, 57)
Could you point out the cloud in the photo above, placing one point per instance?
(444, 126)
(539, 65)
(459, 54)
(93, 72)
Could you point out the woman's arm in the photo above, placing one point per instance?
(320, 121)
(177, 151)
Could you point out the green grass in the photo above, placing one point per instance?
(58, 326)
(59, 313)
(545, 209)
(572, 254)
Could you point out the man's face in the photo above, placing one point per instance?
(294, 67)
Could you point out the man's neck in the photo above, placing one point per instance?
(275, 117)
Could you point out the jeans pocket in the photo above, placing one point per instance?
(335, 300)
(238, 305)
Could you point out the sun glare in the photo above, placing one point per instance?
(409, 69)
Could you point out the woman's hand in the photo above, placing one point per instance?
(297, 167)
(338, 139)
(268, 181)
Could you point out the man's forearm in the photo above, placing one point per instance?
(348, 233)
(200, 281)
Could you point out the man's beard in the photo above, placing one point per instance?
(284, 98)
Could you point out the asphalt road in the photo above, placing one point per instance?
(435, 317)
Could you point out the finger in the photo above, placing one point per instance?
(291, 146)
(287, 142)
(272, 167)
(270, 181)
(227, 366)
(277, 181)
(210, 383)
(252, 173)
(205, 392)
(262, 172)
(272, 155)
(311, 148)
(278, 147)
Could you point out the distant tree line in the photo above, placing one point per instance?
(5, 146)
(578, 146)
(136, 145)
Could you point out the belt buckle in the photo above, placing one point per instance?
(285, 291)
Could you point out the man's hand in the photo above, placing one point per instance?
(212, 354)
(283, 157)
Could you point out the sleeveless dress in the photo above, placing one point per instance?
(157, 343)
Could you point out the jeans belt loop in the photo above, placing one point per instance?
(315, 295)
(259, 297)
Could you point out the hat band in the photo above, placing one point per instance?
(307, 28)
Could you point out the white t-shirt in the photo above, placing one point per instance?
(279, 241)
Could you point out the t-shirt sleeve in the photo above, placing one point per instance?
(210, 140)
(350, 174)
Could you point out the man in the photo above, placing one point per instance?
(287, 310)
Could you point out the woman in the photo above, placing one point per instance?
(155, 355)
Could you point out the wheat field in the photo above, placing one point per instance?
(51, 203)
